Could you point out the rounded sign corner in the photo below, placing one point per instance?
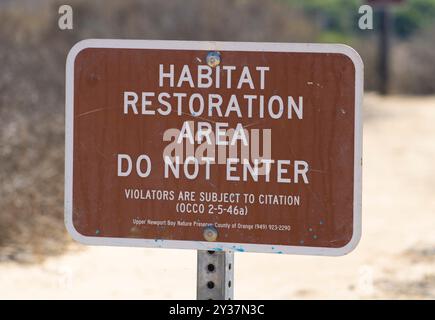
(77, 48)
(74, 233)
(352, 54)
(155, 75)
(351, 245)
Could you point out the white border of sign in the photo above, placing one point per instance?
(218, 46)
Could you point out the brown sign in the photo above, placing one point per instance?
(214, 145)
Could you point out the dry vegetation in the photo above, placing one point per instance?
(414, 64)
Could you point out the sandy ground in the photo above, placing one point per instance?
(395, 258)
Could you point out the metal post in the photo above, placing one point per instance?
(215, 275)
(384, 48)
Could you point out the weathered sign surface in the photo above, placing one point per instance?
(214, 145)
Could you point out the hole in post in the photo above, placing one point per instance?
(229, 284)
(210, 267)
(229, 266)
(210, 284)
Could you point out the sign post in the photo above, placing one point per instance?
(215, 146)
(384, 40)
(215, 275)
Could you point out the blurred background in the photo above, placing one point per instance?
(396, 256)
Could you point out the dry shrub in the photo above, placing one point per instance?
(413, 66)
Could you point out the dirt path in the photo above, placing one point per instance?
(395, 258)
